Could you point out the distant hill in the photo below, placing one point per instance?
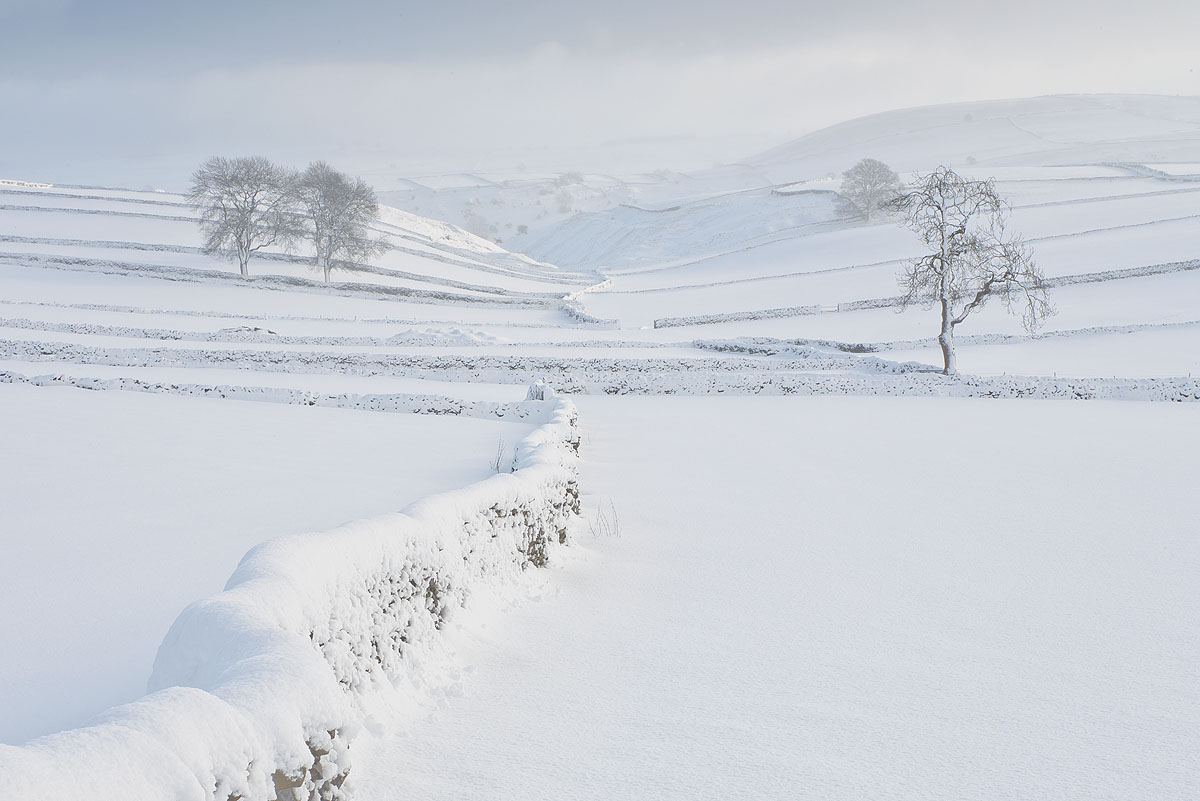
(739, 206)
(1052, 130)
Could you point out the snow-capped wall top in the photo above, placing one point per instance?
(258, 690)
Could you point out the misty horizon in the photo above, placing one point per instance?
(548, 400)
(134, 91)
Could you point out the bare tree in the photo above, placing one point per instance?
(868, 186)
(972, 257)
(337, 211)
(245, 204)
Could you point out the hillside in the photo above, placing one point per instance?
(745, 205)
(157, 232)
(677, 501)
(1042, 131)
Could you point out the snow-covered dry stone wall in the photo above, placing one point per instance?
(259, 691)
(390, 402)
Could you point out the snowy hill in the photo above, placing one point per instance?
(913, 582)
(1119, 248)
(1063, 137)
(506, 208)
(157, 231)
(1042, 131)
(634, 236)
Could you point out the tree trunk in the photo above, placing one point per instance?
(243, 254)
(946, 340)
(323, 265)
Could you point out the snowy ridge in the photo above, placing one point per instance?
(259, 690)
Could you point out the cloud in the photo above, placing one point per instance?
(490, 107)
(10, 8)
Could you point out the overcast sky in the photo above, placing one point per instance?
(97, 85)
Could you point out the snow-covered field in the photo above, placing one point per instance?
(861, 613)
(952, 594)
(120, 508)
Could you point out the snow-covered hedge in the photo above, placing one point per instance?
(377, 402)
(794, 371)
(815, 356)
(24, 184)
(736, 317)
(895, 301)
(290, 283)
(261, 689)
(574, 310)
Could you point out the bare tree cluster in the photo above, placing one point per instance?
(247, 204)
(868, 187)
(972, 257)
(337, 210)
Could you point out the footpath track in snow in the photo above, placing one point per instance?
(816, 598)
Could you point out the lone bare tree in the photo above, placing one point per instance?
(868, 186)
(337, 212)
(245, 204)
(972, 257)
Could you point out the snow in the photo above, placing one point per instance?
(1157, 351)
(1054, 131)
(304, 382)
(119, 227)
(1177, 169)
(311, 629)
(138, 505)
(95, 287)
(865, 611)
(861, 594)
(628, 235)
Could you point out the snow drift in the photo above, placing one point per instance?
(258, 691)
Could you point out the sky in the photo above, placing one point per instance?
(106, 89)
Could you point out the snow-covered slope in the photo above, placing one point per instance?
(630, 236)
(214, 399)
(1042, 131)
(121, 508)
(1041, 148)
(157, 231)
(1117, 238)
(504, 208)
(143, 500)
(817, 598)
